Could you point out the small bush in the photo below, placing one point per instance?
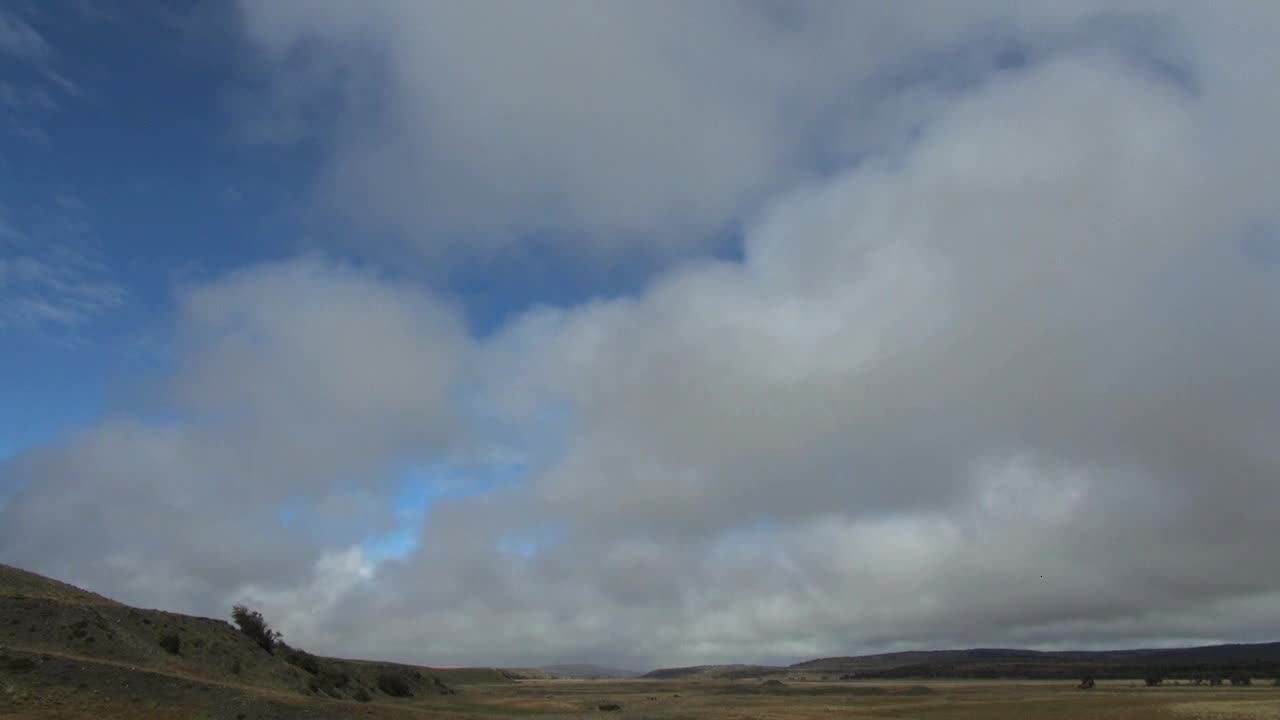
(1153, 680)
(234, 666)
(1086, 683)
(172, 644)
(1240, 677)
(334, 677)
(21, 665)
(394, 685)
(362, 695)
(299, 658)
(253, 625)
(609, 707)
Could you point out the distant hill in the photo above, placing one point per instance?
(1261, 659)
(587, 672)
(715, 672)
(56, 639)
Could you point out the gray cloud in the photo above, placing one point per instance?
(649, 125)
(1005, 378)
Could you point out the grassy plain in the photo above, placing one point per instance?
(69, 688)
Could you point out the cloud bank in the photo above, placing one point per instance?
(995, 366)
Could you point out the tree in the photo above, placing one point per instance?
(1240, 677)
(1153, 679)
(252, 624)
(1086, 683)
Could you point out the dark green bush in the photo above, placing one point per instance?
(252, 624)
(362, 695)
(334, 677)
(21, 665)
(299, 658)
(171, 643)
(393, 685)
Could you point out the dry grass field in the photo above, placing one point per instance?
(78, 688)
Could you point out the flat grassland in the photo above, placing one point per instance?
(958, 699)
(78, 688)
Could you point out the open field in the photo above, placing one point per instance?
(76, 688)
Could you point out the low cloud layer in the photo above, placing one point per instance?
(1005, 379)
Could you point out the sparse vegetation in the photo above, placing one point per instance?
(252, 624)
(171, 643)
(394, 685)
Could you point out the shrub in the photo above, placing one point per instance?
(1240, 677)
(607, 707)
(334, 677)
(21, 665)
(1153, 680)
(299, 658)
(234, 667)
(252, 624)
(1276, 682)
(393, 685)
(171, 643)
(362, 695)
(1086, 683)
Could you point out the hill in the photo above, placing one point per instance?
(587, 672)
(1261, 659)
(715, 672)
(60, 644)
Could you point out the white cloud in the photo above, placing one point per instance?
(294, 385)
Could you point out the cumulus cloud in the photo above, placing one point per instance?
(1003, 377)
(295, 386)
(647, 125)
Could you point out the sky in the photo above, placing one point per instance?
(647, 333)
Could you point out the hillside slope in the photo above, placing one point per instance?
(49, 629)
